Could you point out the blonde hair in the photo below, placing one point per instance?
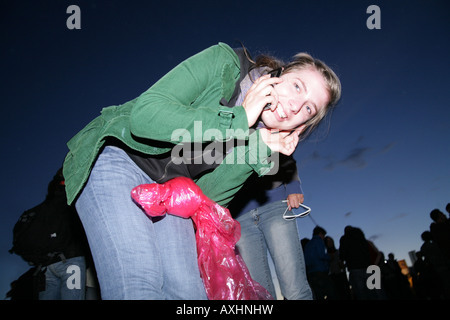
(303, 61)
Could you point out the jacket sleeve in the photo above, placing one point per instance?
(222, 184)
(188, 99)
(294, 184)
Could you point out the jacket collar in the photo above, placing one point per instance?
(245, 65)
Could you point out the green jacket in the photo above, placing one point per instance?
(187, 96)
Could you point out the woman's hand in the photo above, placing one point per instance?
(294, 200)
(260, 94)
(284, 142)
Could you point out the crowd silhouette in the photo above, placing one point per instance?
(345, 273)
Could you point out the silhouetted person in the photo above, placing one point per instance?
(60, 273)
(440, 230)
(337, 271)
(377, 259)
(438, 261)
(318, 266)
(425, 279)
(304, 241)
(393, 263)
(50, 237)
(397, 284)
(354, 251)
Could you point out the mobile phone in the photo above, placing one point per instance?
(273, 73)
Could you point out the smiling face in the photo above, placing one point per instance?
(301, 95)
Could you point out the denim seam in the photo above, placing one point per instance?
(105, 225)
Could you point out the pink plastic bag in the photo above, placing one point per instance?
(224, 273)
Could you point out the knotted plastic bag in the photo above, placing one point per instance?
(224, 273)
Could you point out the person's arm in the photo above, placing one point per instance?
(291, 178)
(188, 98)
(293, 183)
(227, 179)
(184, 105)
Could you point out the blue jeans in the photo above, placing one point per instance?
(136, 257)
(65, 280)
(265, 229)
